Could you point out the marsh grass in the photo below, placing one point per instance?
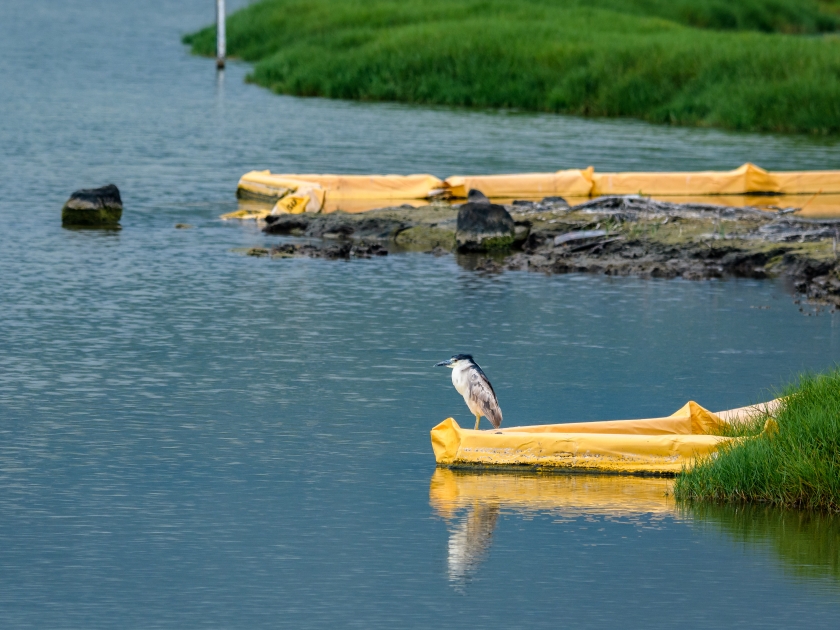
(751, 65)
(796, 466)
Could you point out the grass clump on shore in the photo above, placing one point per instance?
(796, 466)
(751, 65)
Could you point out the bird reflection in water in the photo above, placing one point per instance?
(471, 502)
(805, 543)
(470, 537)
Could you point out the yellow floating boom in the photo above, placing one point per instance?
(311, 192)
(570, 183)
(654, 445)
(748, 179)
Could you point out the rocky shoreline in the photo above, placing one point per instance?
(619, 236)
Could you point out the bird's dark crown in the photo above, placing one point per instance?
(462, 357)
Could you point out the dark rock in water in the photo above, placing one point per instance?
(93, 207)
(484, 226)
(476, 196)
(340, 250)
(555, 201)
(326, 249)
(337, 225)
(294, 224)
(377, 228)
(367, 250)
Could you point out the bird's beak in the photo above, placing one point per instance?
(444, 363)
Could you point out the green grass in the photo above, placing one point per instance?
(759, 65)
(799, 466)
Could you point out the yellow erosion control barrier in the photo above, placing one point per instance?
(264, 184)
(749, 178)
(294, 194)
(314, 193)
(656, 445)
(376, 186)
(572, 183)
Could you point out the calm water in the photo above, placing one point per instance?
(190, 438)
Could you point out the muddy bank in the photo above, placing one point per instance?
(621, 236)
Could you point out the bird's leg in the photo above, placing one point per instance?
(477, 420)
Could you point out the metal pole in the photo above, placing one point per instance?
(220, 34)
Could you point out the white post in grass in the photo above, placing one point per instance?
(220, 34)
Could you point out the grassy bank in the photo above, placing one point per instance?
(769, 65)
(799, 466)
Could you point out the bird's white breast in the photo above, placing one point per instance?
(461, 379)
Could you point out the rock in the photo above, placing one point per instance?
(378, 228)
(578, 235)
(339, 250)
(285, 250)
(483, 227)
(476, 196)
(336, 226)
(425, 237)
(521, 231)
(326, 249)
(616, 236)
(367, 250)
(796, 230)
(555, 201)
(294, 224)
(93, 207)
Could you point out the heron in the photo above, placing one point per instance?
(472, 383)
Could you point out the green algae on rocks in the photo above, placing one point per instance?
(93, 208)
(760, 65)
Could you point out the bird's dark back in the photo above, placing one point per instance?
(484, 376)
